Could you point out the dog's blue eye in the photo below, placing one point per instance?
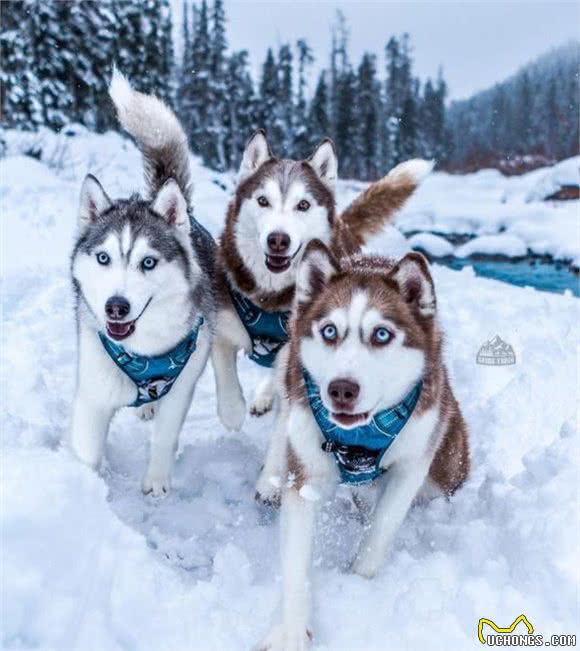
(329, 332)
(381, 336)
(103, 258)
(148, 263)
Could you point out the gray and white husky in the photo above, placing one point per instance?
(279, 206)
(142, 272)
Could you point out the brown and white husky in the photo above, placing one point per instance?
(279, 206)
(369, 402)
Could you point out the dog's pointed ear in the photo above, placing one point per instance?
(172, 206)
(415, 283)
(317, 267)
(256, 153)
(93, 201)
(325, 163)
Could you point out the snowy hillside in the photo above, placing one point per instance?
(91, 564)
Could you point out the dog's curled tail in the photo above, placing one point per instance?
(158, 134)
(372, 209)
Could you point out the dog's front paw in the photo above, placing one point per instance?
(268, 489)
(365, 566)
(156, 484)
(147, 411)
(232, 411)
(284, 638)
(261, 404)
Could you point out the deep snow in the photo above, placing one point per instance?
(88, 563)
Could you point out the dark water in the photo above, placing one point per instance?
(544, 275)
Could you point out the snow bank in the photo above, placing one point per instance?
(89, 563)
(432, 244)
(565, 173)
(487, 203)
(507, 245)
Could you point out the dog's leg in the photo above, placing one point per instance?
(90, 424)
(264, 397)
(231, 405)
(230, 337)
(403, 481)
(171, 411)
(297, 530)
(269, 484)
(313, 475)
(146, 412)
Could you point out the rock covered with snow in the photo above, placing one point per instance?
(505, 245)
(434, 245)
(563, 174)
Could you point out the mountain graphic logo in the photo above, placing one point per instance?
(496, 352)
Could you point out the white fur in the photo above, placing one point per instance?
(93, 200)
(325, 164)
(147, 118)
(255, 224)
(255, 154)
(355, 359)
(417, 168)
(385, 375)
(162, 299)
(171, 205)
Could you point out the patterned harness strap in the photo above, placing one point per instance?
(358, 451)
(153, 376)
(267, 330)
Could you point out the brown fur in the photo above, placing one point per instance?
(296, 468)
(371, 210)
(367, 214)
(374, 274)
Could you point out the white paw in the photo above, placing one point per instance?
(365, 567)
(284, 638)
(146, 412)
(232, 410)
(156, 484)
(262, 404)
(268, 491)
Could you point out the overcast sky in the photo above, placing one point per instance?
(476, 42)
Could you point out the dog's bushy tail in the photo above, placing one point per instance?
(372, 209)
(158, 134)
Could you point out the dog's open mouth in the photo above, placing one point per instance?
(278, 263)
(119, 331)
(350, 420)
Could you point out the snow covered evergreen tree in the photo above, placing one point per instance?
(20, 99)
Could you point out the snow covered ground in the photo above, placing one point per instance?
(507, 215)
(88, 563)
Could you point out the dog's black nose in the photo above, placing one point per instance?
(117, 308)
(343, 393)
(278, 242)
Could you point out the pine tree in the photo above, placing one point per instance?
(368, 121)
(20, 98)
(319, 125)
(284, 127)
(268, 99)
(217, 87)
(240, 120)
(301, 141)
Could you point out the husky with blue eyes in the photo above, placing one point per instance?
(279, 206)
(142, 271)
(370, 404)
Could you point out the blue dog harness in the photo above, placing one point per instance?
(267, 330)
(358, 451)
(153, 376)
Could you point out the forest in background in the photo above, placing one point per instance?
(57, 59)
